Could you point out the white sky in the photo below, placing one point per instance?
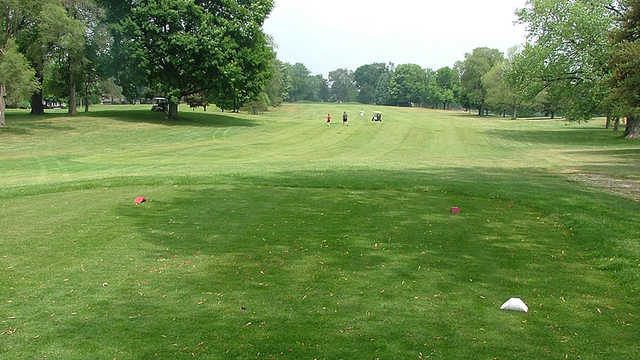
(329, 34)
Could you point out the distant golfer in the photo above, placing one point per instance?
(328, 120)
(361, 113)
(345, 121)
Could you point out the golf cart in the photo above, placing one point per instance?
(160, 105)
(377, 116)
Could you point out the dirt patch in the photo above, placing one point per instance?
(626, 188)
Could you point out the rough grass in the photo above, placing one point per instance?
(276, 237)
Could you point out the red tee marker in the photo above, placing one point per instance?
(140, 200)
(455, 210)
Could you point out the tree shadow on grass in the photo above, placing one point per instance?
(621, 154)
(562, 136)
(615, 163)
(474, 116)
(25, 124)
(323, 263)
(184, 118)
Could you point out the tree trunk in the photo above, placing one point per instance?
(616, 123)
(515, 113)
(235, 102)
(608, 123)
(553, 115)
(36, 99)
(2, 107)
(633, 128)
(72, 95)
(36, 103)
(86, 96)
(173, 111)
(480, 111)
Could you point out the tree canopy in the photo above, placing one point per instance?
(189, 47)
(579, 60)
(476, 65)
(17, 77)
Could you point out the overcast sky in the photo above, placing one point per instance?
(329, 34)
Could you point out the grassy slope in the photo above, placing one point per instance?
(275, 237)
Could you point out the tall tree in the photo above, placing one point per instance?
(17, 78)
(298, 76)
(276, 88)
(244, 76)
(81, 56)
(625, 69)
(567, 48)
(407, 85)
(16, 75)
(499, 97)
(476, 65)
(319, 88)
(447, 80)
(383, 96)
(506, 91)
(189, 47)
(366, 78)
(342, 85)
(54, 37)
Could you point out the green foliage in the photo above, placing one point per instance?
(499, 97)
(367, 78)
(567, 49)
(301, 85)
(383, 95)
(506, 91)
(299, 88)
(408, 85)
(624, 65)
(187, 47)
(625, 60)
(61, 36)
(258, 105)
(16, 75)
(448, 83)
(319, 88)
(55, 81)
(276, 88)
(476, 65)
(342, 85)
(109, 88)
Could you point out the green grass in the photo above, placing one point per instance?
(275, 237)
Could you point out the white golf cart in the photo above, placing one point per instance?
(160, 104)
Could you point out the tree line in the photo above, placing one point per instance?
(78, 50)
(580, 59)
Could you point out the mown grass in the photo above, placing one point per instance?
(276, 237)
